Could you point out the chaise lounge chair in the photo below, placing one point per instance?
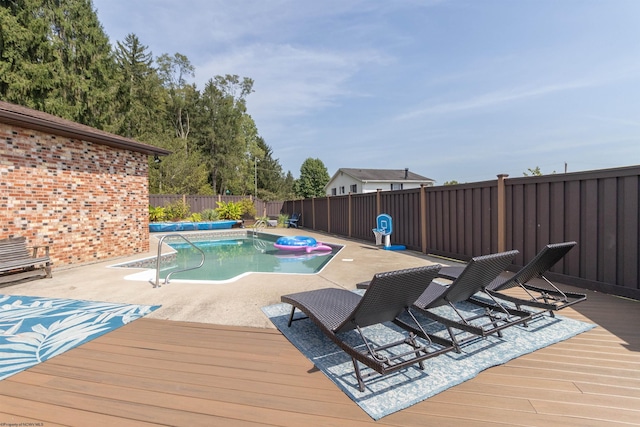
(547, 296)
(338, 311)
(474, 278)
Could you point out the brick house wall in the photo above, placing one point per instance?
(87, 201)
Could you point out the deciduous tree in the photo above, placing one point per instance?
(313, 178)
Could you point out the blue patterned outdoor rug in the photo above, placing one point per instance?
(34, 329)
(387, 394)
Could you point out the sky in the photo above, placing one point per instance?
(458, 90)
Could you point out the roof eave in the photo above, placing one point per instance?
(35, 123)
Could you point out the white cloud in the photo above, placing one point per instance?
(493, 99)
(290, 81)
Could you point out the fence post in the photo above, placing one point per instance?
(502, 215)
(349, 216)
(313, 213)
(328, 214)
(378, 201)
(423, 218)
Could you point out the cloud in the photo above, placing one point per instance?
(291, 81)
(493, 99)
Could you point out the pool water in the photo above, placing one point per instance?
(236, 256)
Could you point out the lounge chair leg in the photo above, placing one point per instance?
(356, 368)
(293, 309)
(456, 345)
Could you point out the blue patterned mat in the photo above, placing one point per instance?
(385, 395)
(34, 329)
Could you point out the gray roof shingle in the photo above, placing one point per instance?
(383, 174)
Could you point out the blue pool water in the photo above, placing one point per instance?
(233, 256)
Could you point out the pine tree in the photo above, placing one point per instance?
(56, 58)
(222, 139)
(139, 91)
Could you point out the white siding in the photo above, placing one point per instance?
(342, 184)
(343, 181)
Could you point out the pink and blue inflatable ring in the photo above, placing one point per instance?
(300, 243)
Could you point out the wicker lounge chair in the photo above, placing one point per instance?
(338, 311)
(493, 316)
(547, 296)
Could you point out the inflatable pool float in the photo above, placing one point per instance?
(300, 243)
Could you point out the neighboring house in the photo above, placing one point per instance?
(347, 180)
(81, 191)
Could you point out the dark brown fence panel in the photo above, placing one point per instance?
(363, 216)
(627, 205)
(290, 207)
(161, 200)
(339, 215)
(306, 209)
(268, 209)
(461, 219)
(200, 203)
(404, 208)
(597, 209)
(321, 216)
(273, 209)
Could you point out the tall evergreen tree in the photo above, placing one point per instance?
(55, 57)
(223, 141)
(269, 173)
(288, 189)
(139, 94)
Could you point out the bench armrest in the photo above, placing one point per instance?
(35, 250)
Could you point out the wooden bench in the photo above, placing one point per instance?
(18, 262)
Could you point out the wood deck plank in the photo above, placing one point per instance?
(159, 372)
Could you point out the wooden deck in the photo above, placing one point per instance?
(156, 372)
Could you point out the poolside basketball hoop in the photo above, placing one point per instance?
(378, 235)
(384, 229)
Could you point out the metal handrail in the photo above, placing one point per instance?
(260, 225)
(156, 284)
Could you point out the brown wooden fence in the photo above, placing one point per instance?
(597, 209)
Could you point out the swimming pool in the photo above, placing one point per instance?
(229, 257)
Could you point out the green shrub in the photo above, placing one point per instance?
(157, 214)
(282, 219)
(209, 215)
(248, 208)
(177, 210)
(229, 210)
(195, 217)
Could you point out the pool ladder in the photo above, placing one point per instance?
(259, 226)
(157, 284)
